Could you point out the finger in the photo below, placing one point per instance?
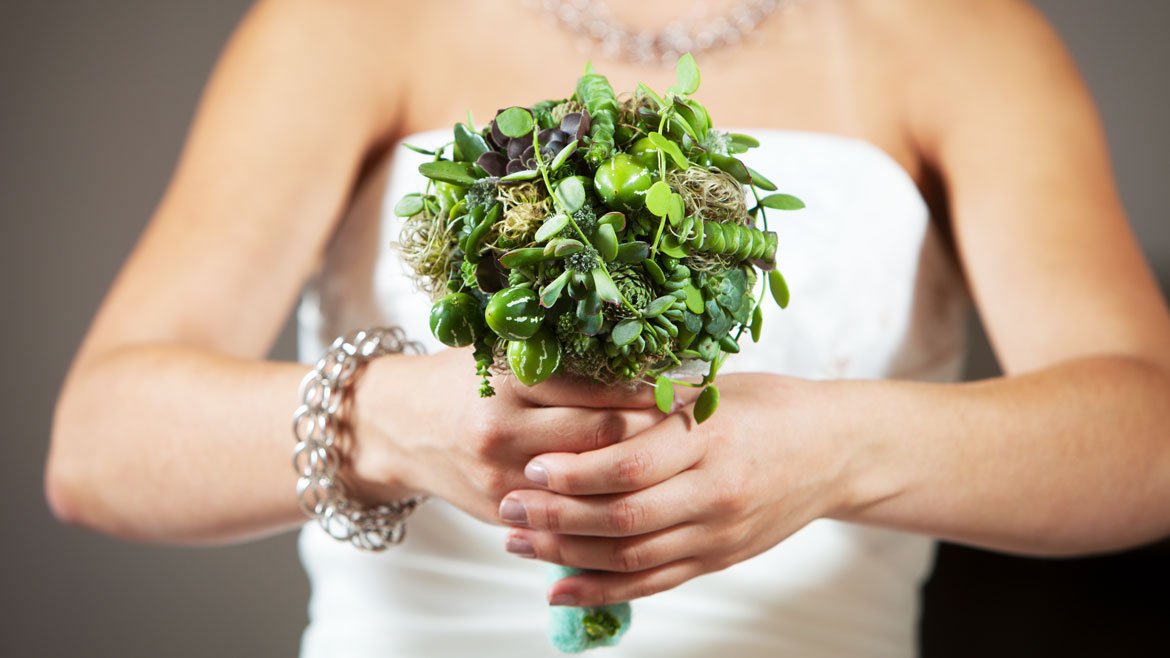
(627, 554)
(606, 588)
(573, 391)
(574, 429)
(663, 451)
(618, 515)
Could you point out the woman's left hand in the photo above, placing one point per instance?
(681, 499)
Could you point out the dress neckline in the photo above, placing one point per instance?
(862, 143)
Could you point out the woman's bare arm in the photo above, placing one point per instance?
(169, 426)
(1070, 451)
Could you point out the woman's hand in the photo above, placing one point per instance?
(421, 427)
(681, 499)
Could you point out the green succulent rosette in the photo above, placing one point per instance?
(606, 237)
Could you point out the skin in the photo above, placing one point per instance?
(1063, 455)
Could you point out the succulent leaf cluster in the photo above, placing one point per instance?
(631, 251)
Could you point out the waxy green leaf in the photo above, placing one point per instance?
(779, 288)
(626, 332)
(707, 403)
(670, 148)
(782, 202)
(664, 394)
(658, 199)
(551, 227)
(515, 122)
(409, 205)
(445, 171)
(571, 194)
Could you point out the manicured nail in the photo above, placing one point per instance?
(563, 599)
(536, 472)
(520, 546)
(513, 511)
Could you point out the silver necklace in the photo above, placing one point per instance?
(592, 21)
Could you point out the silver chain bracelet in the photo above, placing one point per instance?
(319, 430)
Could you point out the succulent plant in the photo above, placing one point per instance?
(509, 155)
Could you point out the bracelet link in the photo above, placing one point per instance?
(318, 432)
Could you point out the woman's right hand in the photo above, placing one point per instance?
(420, 426)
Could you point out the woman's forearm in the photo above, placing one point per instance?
(1071, 459)
(168, 443)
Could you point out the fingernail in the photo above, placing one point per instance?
(563, 599)
(520, 546)
(536, 472)
(513, 510)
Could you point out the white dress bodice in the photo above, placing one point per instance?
(875, 294)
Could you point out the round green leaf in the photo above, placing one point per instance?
(515, 122)
(664, 394)
(686, 74)
(658, 199)
(707, 403)
(409, 206)
(626, 332)
(658, 306)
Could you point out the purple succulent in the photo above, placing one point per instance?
(513, 154)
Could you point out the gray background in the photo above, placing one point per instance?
(94, 102)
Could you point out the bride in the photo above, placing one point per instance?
(948, 153)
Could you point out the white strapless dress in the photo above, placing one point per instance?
(875, 294)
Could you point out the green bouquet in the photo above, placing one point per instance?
(604, 237)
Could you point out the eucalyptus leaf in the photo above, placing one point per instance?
(779, 288)
(551, 227)
(707, 403)
(571, 193)
(626, 332)
(409, 205)
(515, 122)
(664, 394)
(658, 199)
(564, 155)
(782, 202)
(670, 148)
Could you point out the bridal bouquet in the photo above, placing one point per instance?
(604, 237)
